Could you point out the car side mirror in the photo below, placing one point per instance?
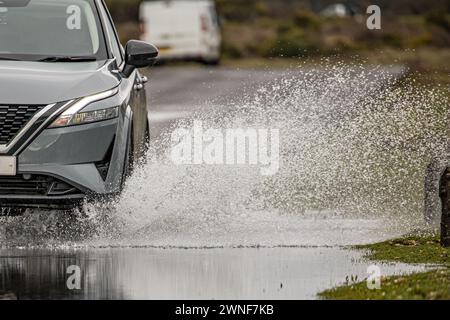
(138, 54)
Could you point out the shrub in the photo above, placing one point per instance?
(124, 10)
(294, 43)
(306, 19)
(440, 19)
(230, 50)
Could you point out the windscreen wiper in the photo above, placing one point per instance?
(68, 59)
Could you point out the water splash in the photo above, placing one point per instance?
(354, 145)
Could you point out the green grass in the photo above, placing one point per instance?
(434, 284)
(410, 249)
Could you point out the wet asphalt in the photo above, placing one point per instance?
(176, 272)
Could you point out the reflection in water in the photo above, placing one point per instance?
(148, 273)
(36, 274)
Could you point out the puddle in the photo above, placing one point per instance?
(148, 273)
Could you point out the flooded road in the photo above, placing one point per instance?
(347, 176)
(146, 273)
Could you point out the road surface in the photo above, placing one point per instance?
(184, 237)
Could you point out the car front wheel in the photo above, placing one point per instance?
(128, 165)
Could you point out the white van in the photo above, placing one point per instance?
(182, 29)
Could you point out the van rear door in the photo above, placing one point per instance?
(172, 25)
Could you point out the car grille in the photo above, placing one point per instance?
(13, 118)
(35, 185)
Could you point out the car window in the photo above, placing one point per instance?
(112, 35)
(47, 28)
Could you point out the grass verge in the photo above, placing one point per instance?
(434, 284)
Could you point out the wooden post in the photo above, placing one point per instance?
(445, 230)
(445, 197)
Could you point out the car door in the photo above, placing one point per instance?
(138, 100)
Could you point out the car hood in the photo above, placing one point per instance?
(25, 82)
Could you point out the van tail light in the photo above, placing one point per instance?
(204, 23)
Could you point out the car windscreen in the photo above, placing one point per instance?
(35, 29)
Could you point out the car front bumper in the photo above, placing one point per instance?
(63, 166)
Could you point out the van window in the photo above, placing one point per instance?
(214, 17)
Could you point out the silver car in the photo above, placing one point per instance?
(73, 111)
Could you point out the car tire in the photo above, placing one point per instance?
(444, 193)
(128, 164)
(11, 212)
(211, 62)
(146, 145)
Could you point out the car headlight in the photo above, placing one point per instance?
(74, 115)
